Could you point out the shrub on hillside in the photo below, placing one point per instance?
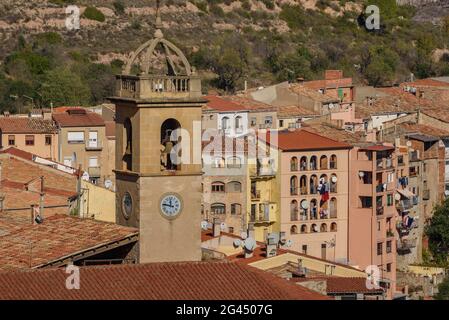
(93, 13)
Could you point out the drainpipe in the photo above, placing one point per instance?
(78, 191)
(41, 200)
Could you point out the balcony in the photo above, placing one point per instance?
(380, 188)
(426, 194)
(94, 172)
(94, 146)
(405, 246)
(158, 86)
(255, 195)
(405, 204)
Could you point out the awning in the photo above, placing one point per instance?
(406, 193)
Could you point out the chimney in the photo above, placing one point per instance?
(216, 227)
(251, 232)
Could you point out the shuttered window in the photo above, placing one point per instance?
(75, 137)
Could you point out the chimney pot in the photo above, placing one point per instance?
(216, 227)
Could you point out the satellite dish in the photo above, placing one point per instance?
(204, 225)
(250, 244)
(305, 204)
(85, 176)
(361, 174)
(39, 219)
(331, 105)
(385, 186)
(237, 243)
(209, 225)
(409, 143)
(397, 196)
(289, 243)
(223, 226)
(334, 179)
(108, 184)
(243, 235)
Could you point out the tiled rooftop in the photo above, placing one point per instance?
(155, 281)
(26, 125)
(295, 111)
(30, 246)
(78, 117)
(302, 139)
(342, 285)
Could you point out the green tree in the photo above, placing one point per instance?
(93, 13)
(443, 290)
(379, 65)
(438, 232)
(63, 87)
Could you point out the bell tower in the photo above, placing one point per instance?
(158, 151)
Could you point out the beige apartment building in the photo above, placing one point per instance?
(35, 135)
(82, 142)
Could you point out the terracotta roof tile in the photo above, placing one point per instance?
(58, 236)
(339, 285)
(26, 125)
(218, 103)
(305, 140)
(291, 111)
(155, 281)
(78, 117)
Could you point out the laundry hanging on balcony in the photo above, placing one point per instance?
(403, 181)
(323, 190)
(408, 221)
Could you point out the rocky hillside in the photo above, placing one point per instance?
(261, 41)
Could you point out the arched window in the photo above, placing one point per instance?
(333, 227)
(303, 184)
(218, 162)
(218, 186)
(294, 210)
(224, 123)
(333, 162)
(303, 228)
(333, 183)
(333, 208)
(313, 184)
(233, 162)
(168, 160)
(303, 163)
(323, 178)
(304, 210)
(323, 163)
(313, 228)
(293, 164)
(313, 163)
(236, 208)
(323, 227)
(313, 209)
(234, 186)
(238, 123)
(294, 185)
(293, 229)
(128, 138)
(218, 208)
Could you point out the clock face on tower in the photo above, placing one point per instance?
(170, 205)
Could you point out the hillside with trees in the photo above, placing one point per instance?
(262, 42)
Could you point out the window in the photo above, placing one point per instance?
(389, 199)
(268, 120)
(333, 162)
(234, 186)
(75, 137)
(333, 227)
(388, 246)
(218, 208)
(293, 164)
(366, 202)
(225, 123)
(11, 140)
(304, 249)
(281, 123)
(293, 229)
(236, 208)
(238, 123)
(323, 163)
(218, 163)
(388, 267)
(253, 121)
(47, 140)
(231, 229)
(379, 248)
(218, 187)
(93, 162)
(29, 140)
(233, 162)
